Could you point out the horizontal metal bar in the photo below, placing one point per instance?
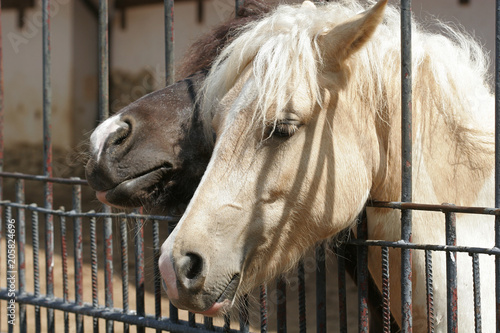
(110, 314)
(434, 207)
(17, 175)
(432, 247)
(73, 213)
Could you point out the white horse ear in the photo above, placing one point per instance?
(349, 36)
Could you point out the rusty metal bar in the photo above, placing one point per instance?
(302, 297)
(124, 262)
(406, 166)
(93, 264)
(36, 266)
(78, 253)
(237, 5)
(281, 304)
(477, 292)
(169, 42)
(108, 265)
(173, 311)
(156, 268)
(263, 308)
(17, 175)
(227, 323)
(363, 275)
(320, 290)
(451, 274)
(386, 295)
(9, 245)
(64, 254)
(139, 270)
(244, 315)
(21, 242)
(429, 286)
(342, 289)
(103, 60)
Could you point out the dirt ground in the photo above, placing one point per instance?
(66, 165)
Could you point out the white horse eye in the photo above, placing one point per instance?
(286, 128)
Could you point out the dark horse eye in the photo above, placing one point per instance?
(285, 128)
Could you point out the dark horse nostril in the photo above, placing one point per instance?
(122, 133)
(193, 265)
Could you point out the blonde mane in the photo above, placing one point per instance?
(449, 69)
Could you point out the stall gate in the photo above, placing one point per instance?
(17, 298)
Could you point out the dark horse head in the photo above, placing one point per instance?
(154, 152)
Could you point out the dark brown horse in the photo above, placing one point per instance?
(153, 152)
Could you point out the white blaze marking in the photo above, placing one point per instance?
(101, 133)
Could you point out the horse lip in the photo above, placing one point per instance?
(133, 191)
(230, 290)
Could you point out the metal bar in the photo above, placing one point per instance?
(124, 259)
(263, 308)
(36, 266)
(21, 242)
(173, 311)
(64, 254)
(477, 292)
(451, 274)
(93, 264)
(406, 165)
(191, 319)
(320, 290)
(111, 314)
(156, 268)
(237, 5)
(386, 295)
(430, 291)
(78, 253)
(108, 263)
(47, 160)
(302, 297)
(362, 267)
(169, 42)
(281, 304)
(139, 270)
(434, 208)
(342, 289)
(244, 315)
(497, 161)
(103, 61)
(17, 175)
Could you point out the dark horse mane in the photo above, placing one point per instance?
(202, 53)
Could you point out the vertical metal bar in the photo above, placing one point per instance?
(320, 290)
(227, 323)
(429, 286)
(302, 298)
(281, 304)
(169, 42)
(263, 309)
(342, 290)
(362, 259)
(139, 270)
(477, 292)
(8, 267)
(237, 5)
(47, 158)
(21, 241)
(386, 296)
(173, 311)
(244, 315)
(36, 265)
(497, 160)
(406, 165)
(451, 273)
(103, 60)
(124, 257)
(64, 253)
(191, 319)
(78, 253)
(108, 263)
(156, 269)
(93, 264)
(208, 322)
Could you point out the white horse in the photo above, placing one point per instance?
(306, 106)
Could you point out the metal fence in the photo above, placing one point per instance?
(15, 215)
